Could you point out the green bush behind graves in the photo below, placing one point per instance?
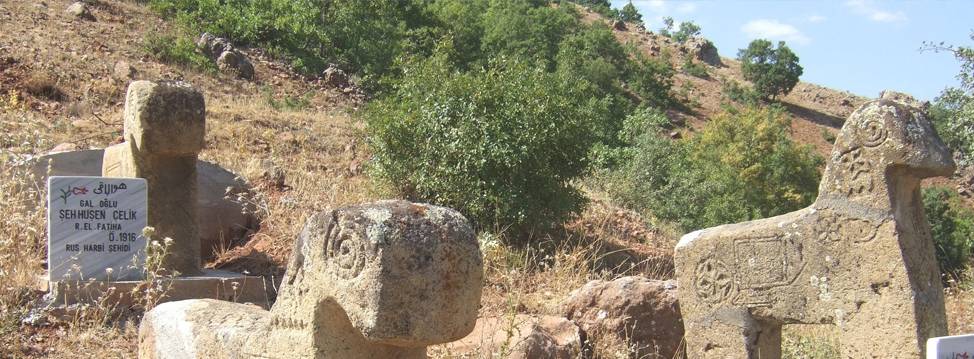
(502, 144)
(741, 166)
(952, 228)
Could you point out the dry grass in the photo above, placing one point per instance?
(301, 159)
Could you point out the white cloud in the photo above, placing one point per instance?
(816, 19)
(869, 9)
(657, 5)
(774, 30)
(686, 8)
(663, 6)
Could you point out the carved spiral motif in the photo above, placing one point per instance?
(348, 256)
(711, 280)
(872, 133)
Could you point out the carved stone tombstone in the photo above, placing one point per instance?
(379, 280)
(165, 124)
(861, 257)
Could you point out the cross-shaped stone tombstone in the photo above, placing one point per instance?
(861, 257)
(165, 124)
(378, 280)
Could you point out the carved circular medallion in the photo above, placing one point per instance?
(872, 133)
(348, 256)
(712, 281)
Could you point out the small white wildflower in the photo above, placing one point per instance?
(109, 270)
(156, 244)
(167, 240)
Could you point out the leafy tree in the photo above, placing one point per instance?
(773, 71)
(630, 14)
(953, 110)
(521, 29)
(602, 7)
(464, 22)
(501, 144)
(667, 28)
(743, 165)
(687, 30)
(952, 227)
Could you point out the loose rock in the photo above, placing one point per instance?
(638, 311)
(521, 337)
(80, 10)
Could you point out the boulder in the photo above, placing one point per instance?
(335, 77)
(80, 10)
(234, 62)
(521, 337)
(619, 25)
(221, 220)
(703, 50)
(228, 59)
(123, 71)
(641, 312)
(212, 46)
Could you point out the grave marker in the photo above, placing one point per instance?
(860, 257)
(952, 347)
(95, 228)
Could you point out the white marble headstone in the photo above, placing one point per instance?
(94, 227)
(953, 347)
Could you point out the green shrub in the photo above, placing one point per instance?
(177, 50)
(952, 115)
(363, 36)
(695, 69)
(952, 228)
(741, 166)
(741, 94)
(524, 30)
(630, 14)
(501, 144)
(687, 30)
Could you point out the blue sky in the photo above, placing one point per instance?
(862, 46)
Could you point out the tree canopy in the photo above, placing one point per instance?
(773, 71)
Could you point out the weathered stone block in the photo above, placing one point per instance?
(165, 118)
(379, 280)
(860, 257)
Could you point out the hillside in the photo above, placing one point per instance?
(300, 143)
(814, 108)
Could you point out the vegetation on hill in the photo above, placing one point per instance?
(743, 165)
(773, 71)
(953, 110)
(952, 227)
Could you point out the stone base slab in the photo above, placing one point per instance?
(212, 284)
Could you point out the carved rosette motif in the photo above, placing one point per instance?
(856, 172)
(833, 228)
(712, 281)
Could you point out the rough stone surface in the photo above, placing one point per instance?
(335, 77)
(123, 71)
(164, 130)
(221, 220)
(235, 62)
(212, 46)
(228, 59)
(80, 10)
(380, 280)
(636, 310)
(619, 25)
(521, 337)
(703, 50)
(64, 147)
(860, 257)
